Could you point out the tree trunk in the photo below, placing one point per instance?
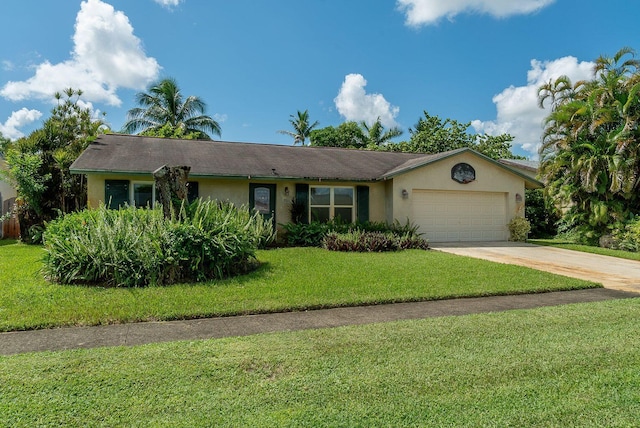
(171, 187)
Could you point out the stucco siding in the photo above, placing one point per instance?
(490, 179)
(237, 191)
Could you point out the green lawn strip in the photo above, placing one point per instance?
(289, 279)
(586, 248)
(573, 365)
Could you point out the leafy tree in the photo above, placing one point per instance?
(590, 148)
(301, 127)
(38, 165)
(346, 135)
(495, 146)
(432, 134)
(354, 135)
(164, 105)
(4, 143)
(168, 131)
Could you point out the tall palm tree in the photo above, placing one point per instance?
(163, 104)
(301, 127)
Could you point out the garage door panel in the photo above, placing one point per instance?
(460, 216)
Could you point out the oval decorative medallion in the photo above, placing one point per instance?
(463, 173)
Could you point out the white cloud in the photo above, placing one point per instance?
(355, 104)
(106, 56)
(18, 119)
(220, 118)
(168, 3)
(517, 106)
(7, 65)
(426, 12)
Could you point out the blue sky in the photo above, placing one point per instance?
(257, 62)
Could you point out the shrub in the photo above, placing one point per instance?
(410, 241)
(541, 215)
(313, 234)
(305, 235)
(297, 210)
(519, 228)
(362, 241)
(626, 236)
(137, 247)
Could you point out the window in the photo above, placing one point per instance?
(143, 195)
(328, 203)
(116, 193)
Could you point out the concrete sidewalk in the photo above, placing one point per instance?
(153, 332)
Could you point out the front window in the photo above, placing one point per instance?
(143, 195)
(329, 203)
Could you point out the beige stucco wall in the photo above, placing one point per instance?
(237, 191)
(437, 176)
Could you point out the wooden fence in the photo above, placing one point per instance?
(11, 227)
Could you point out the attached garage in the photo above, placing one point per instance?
(450, 216)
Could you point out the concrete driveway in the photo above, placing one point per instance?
(612, 272)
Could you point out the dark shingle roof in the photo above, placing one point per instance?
(117, 153)
(132, 154)
(529, 165)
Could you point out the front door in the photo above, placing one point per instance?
(262, 198)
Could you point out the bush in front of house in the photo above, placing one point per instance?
(363, 241)
(540, 214)
(314, 233)
(138, 247)
(519, 228)
(305, 235)
(626, 236)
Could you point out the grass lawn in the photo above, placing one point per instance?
(586, 248)
(289, 279)
(574, 365)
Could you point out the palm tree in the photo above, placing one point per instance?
(301, 127)
(590, 153)
(375, 135)
(163, 105)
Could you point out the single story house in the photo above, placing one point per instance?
(460, 195)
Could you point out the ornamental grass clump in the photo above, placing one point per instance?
(139, 247)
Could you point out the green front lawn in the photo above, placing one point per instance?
(568, 245)
(289, 279)
(574, 365)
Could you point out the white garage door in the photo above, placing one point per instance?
(445, 216)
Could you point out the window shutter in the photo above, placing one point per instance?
(116, 193)
(193, 192)
(362, 203)
(302, 197)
